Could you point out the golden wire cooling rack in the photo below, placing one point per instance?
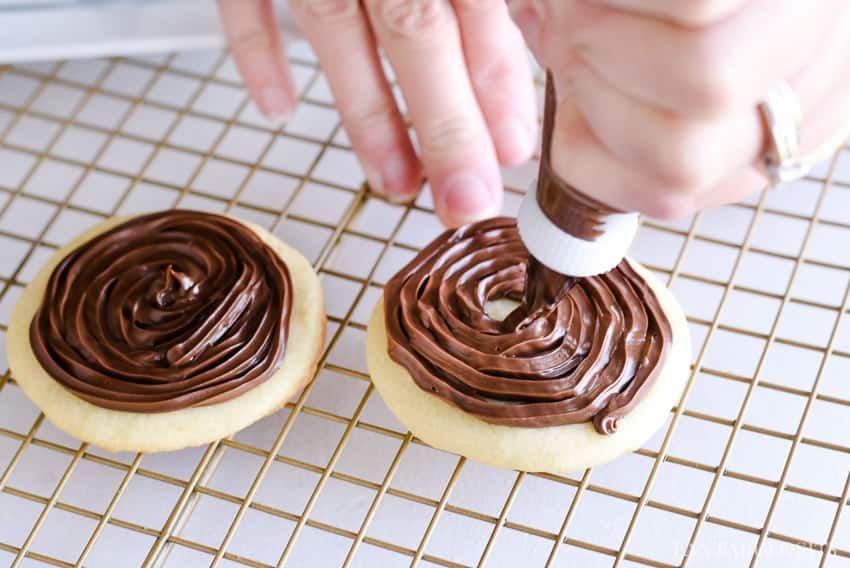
(751, 468)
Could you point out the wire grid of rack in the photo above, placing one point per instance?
(751, 467)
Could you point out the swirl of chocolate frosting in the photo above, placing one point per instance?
(166, 311)
(590, 356)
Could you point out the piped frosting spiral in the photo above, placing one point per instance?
(166, 311)
(589, 357)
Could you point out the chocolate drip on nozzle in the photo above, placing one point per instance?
(544, 287)
(571, 231)
(572, 211)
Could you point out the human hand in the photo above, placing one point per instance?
(658, 100)
(462, 68)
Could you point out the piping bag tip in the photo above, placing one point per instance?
(568, 234)
(564, 228)
(567, 254)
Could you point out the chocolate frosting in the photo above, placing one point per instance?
(166, 311)
(589, 356)
(569, 209)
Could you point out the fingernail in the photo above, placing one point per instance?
(274, 102)
(465, 198)
(373, 177)
(513, 140)
(398, 180)
(394, 180)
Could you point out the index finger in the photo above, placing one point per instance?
(255, 44)
(422, 41)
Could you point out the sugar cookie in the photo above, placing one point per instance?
(564, 390)
(167, 330)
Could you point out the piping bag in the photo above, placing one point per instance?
(568, 234)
